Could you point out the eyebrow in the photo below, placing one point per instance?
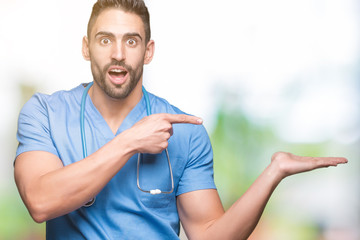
(110, 34)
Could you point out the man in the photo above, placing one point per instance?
(55, 179)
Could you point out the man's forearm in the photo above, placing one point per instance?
(241, 218)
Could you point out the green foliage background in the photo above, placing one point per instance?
(242, 150)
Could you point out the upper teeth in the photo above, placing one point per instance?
(116, 70)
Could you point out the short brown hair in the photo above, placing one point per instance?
(133, 6)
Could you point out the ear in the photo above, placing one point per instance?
(85, 48)
(149, 52)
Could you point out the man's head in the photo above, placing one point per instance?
(118, 45)
(132, 6)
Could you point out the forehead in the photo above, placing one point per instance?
(117, 21)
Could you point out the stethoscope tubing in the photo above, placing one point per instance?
(82, 116)
(155, 191)
(84, 147)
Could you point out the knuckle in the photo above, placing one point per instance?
(167, 135)
(163, 116)
(182, 118)
(166, 127)
(169, 126)
(164, 145)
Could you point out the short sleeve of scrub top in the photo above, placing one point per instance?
(33, 127)
(198, 172)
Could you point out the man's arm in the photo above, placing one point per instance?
(49, 189)
(203, 217)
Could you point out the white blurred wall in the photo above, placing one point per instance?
(260, 49)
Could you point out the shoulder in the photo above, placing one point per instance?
(37, 104)
(191, 132)
(41, 102)
(161, 105)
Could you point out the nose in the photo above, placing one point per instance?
(118, 52)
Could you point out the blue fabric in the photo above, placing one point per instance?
(121, 211)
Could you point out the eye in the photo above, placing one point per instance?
(131, 42)
(105, 41)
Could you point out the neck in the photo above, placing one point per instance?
(114, 111)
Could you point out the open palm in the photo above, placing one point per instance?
(290, 164)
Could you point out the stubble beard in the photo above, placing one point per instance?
(120, 91)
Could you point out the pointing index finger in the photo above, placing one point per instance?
(183, 118)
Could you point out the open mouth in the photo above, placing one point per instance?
(117, 72)
(117, 75)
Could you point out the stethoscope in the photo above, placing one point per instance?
(84, 148)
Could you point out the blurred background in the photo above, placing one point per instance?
(265, 76)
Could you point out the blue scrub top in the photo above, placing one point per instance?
(51, 123)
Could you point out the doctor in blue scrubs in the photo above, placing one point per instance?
(96, 195)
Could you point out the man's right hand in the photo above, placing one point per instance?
(151, 134)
